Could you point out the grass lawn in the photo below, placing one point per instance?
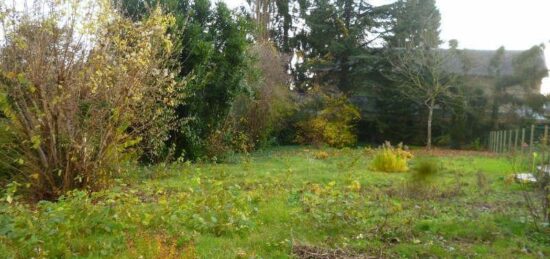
(285, 202)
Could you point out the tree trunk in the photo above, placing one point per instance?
(430, 116)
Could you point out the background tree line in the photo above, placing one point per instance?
(389, 56)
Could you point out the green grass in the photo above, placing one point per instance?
(264, 204)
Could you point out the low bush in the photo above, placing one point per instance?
(391, 159)
(425, 169)
(227, 140)
(321, 155)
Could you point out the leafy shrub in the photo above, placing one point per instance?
(225, 141)
(8, 165)
(391, 159)
(263, 114)
(476, 145)
(76, 114)
(424, 169)
(322, 155)
(215, 61)
(256, 117)
(333, 125)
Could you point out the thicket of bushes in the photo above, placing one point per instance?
(256, 117)
(84, 91)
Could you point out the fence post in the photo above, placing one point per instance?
(490, 141)
(531, 138)
(500, 141)
(516, 140)
(522, 139)
(510, 141)
(495, 141)
(504, 140)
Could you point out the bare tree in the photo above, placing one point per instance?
(423, 76)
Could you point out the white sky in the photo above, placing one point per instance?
(489, 24)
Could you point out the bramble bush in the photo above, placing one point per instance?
(391, 159)
(82, 90)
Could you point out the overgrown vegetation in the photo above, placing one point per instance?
(256, 117)
(148, 129)
(277, 200)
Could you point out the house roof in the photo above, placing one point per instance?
(480, 62)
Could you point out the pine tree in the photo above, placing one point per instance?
(334, 43)
(416, 23)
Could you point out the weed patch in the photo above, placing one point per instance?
(279, 203)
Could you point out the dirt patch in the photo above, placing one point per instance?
(313, 252)
(451, 152)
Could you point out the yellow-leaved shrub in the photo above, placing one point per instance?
(82, 90)
(391, 159)
(334, 125)
(321, 155)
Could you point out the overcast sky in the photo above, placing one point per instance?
(489, 24)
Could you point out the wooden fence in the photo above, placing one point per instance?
(518, 140)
